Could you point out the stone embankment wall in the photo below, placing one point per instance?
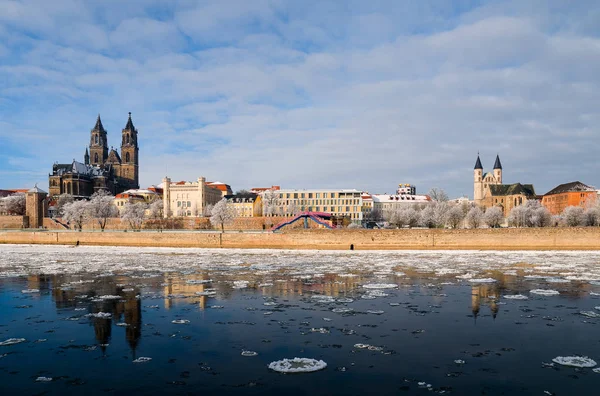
(12, 222)
(489, 239)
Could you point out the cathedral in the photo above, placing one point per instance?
(489, 191)
(101, 169)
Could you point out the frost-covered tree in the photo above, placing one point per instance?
(76, 213)
(374, 215)
(14, 204)
(474, 217)
(440, 213)
(102, 208)
(427, 217)
(438, 195)
(134, 214)
(61, 201)
(207, 210)
(156, 209)
(592, 216)
(493, 217)
(292, 209)
(221, 214)
(455, 216)
(270, 203)
(573, 216)
(540, 216)
(519, 216)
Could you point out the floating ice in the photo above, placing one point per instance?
(122, 324)
(557, 280)
(12, 341)
(240, 284)
(482, 280)
(459, 361)
(109, 297)
(30, 291)
(516, 297)
(380, 286)
(322, 299)
(265, 285)
(596, 370)
(590, 314)
(342, 310)
(43, 379)
(544, 292)
(128, 290)
(198, 281)
(321, 330)
(270, 303)
(249, 353)
(369, 347)
(100, 315)
(142, 359)
(297, 365)
(594, 294)
(180, 321)
(574, 361)
(206, 293)
(375, 311)
(345, 300)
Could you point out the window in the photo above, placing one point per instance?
(95, 157)
(295, 195)
(347, 208)
(310, 195)
(127, 139)
(127, 157)
(189, 204)
(96, 139)
(178, 204)
(302, 195)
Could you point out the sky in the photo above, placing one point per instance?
(306, 94)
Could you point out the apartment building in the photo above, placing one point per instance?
(340, 203)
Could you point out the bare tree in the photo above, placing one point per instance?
(573, 216)
(61, 201)
(292, 209)
(221, 214)
(455, 216)
(77, 213)
(475, 217)
(134, 214)
(374, 215)
(14, 204)
(242, 192)
(493, 217)
(270, 203)
(438, 195)
(156, 209)
(519, 216)
(207, 210)
(101, 207)
(592, 216)
(440, 213)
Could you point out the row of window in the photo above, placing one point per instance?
(321, 202)
(318, 195)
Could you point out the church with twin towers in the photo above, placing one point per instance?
(101, 169)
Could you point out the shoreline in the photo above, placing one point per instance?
(581, 238)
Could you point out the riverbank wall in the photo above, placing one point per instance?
(585, 238)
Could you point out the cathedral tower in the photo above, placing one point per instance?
(98, 144)
(478, 182)
(130, 156)
(498, 170)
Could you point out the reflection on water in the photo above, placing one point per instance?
(193, 316)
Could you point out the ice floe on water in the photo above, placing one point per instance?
(515, 297)
(30, 291)
(142, 359)
(180, 321)
(575, 361)
(545, 292)
(100, 315)
(380, 286)
(240, 284)
(342, 310)
(43, 379)
(590, 314)
(482, 280)
(109, 297)
(297, 365)
(12, 341)
(249, 353)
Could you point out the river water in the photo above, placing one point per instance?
(97, 320)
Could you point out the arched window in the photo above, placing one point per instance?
(96, 138)
(127, 157)
(69, 189)
(96, 157)
(127, 139)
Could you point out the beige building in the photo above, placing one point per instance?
(341, 203)
(134, 196)
(188, 198)
(245, 205)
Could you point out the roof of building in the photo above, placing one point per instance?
(387, 198)
(98, 126)
(512, 189)
(575, 186)
(497, 164)
(478, 163)
(243, 197)
(129, 126)
(36, 189)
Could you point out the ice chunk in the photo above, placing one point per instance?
(43, 379)
(180, 321)
(459, 361)
(30, 291)
(516, 297)
(544, 292)
(142, 359)
(380, 286)
(240, 284)
(265, 285)
(375, 311)
(297, 365)
(574, 361)
(249, 353)
(342, 310)
(596, 370)
(100, 315)
(321, 330)
(198, 281)
(323, 299)
(482, 280)
(590, 314)
(345, 300)
(12, 341)
(109, 297)
(122, 324)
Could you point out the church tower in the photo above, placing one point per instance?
(86, 157)
(98, 144)
(478, 182)
(130, 156)
(498, 170)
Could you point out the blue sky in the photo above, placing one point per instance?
(306, 94)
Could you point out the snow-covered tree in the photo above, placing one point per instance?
(539, 216)
(292, 209)
(61, 201)
(134, 214)
(493, 217)
(455, 216)
(440, 213)
(76, 213)
(427, 217)
(438, 195)
(14, 204)
(592, 216)
(221, 214)
(270, 203)
(403, 216)
(374, 215)
(156, 209)
(207, 210)
(519, 216)
(573, 216)
(474, 217)
(102, 208)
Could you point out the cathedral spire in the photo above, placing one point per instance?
(497, 164)
(478, 163)
(86, 157)
(129, 126)
(98, 126)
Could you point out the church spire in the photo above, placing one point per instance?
(98, 126)
(497, 164)
(129, 126)
(86, 157)
(478, 163)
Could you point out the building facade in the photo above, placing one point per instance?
(340, 203)
(245, 205)
(569, 194)
(188, 199)
(101, 169)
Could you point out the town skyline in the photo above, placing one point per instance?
(319, 96)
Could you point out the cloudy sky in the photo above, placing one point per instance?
(306, 94)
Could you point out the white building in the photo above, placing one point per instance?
(406, 195)
(188, 198)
